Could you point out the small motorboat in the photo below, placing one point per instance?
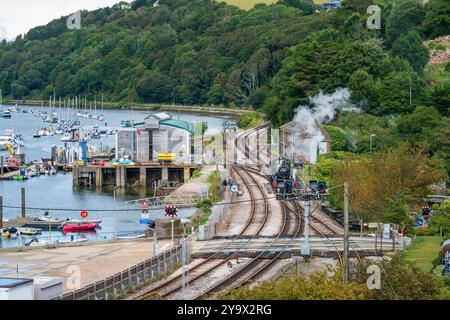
(76, 221)
(29, 231)
(74, 227)
(5, 114)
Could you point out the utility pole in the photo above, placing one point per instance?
(23, 202)
(1, 212)
(305, 250)
(346, 238)
(184, 259)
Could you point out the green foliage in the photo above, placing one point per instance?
(250, 120)
(306, 6)
(323, 170)
(205, 211)
(437, 18)
(361, 85)
(185, 52)
(420, 124)
(409, 47)
(439, 96)
(214, 186)
(338, 138)
(316, 286)
(406, 15)
(397, 209)
(440, 219)
(400, 280)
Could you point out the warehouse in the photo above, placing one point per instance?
(158, 134)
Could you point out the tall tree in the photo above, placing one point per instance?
(409, 47)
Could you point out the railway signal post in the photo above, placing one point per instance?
(306, 250)
(346, 238)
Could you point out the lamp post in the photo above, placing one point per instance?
(371, 143)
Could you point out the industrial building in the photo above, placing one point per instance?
(158, 134)
(159, 149)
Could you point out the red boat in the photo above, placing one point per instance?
(74, 227)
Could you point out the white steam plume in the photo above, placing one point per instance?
(307, 122)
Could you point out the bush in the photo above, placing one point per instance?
(400, 280)
(250, 120)
(316, 286)
(338, 138)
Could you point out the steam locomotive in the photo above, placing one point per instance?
(286, 186)
(283, 182)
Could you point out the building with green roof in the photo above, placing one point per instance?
(158, 133)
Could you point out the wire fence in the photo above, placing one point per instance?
(130, 278)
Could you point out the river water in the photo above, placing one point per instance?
(56, 192)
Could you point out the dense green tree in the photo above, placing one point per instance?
(306, 6)
(216, 95)
(437, 18)
(308, 68)
(393, 94)
(406, 15)
(18, 90)
(154, 88)
(409, 47)
(440, 97)
(420, 124)
(361, 85)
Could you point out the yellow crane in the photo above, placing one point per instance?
(10, 149)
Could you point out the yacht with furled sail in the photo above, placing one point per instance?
(4, 113)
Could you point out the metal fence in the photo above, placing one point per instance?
(129, 278)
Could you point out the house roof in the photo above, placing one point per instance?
(165, 119)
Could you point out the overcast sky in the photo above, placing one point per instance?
(19, 16)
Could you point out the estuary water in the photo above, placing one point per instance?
(56, 194)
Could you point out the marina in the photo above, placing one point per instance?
(45, 182)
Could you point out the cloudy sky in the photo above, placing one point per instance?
(19, 16)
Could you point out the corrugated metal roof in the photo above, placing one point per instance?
(180, 124)
(166, 120)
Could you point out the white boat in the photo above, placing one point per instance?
(5, 114)
(29, 231)
(139, 236)
(50, 219)
(96, 221)
(7, 140)
(67, 137)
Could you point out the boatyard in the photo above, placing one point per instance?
(86, 173)
(241, 151)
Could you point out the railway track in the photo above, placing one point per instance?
(242, 144)
(254, 269)
(210, 264)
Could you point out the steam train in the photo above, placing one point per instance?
(287, 186)
(283, 181)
